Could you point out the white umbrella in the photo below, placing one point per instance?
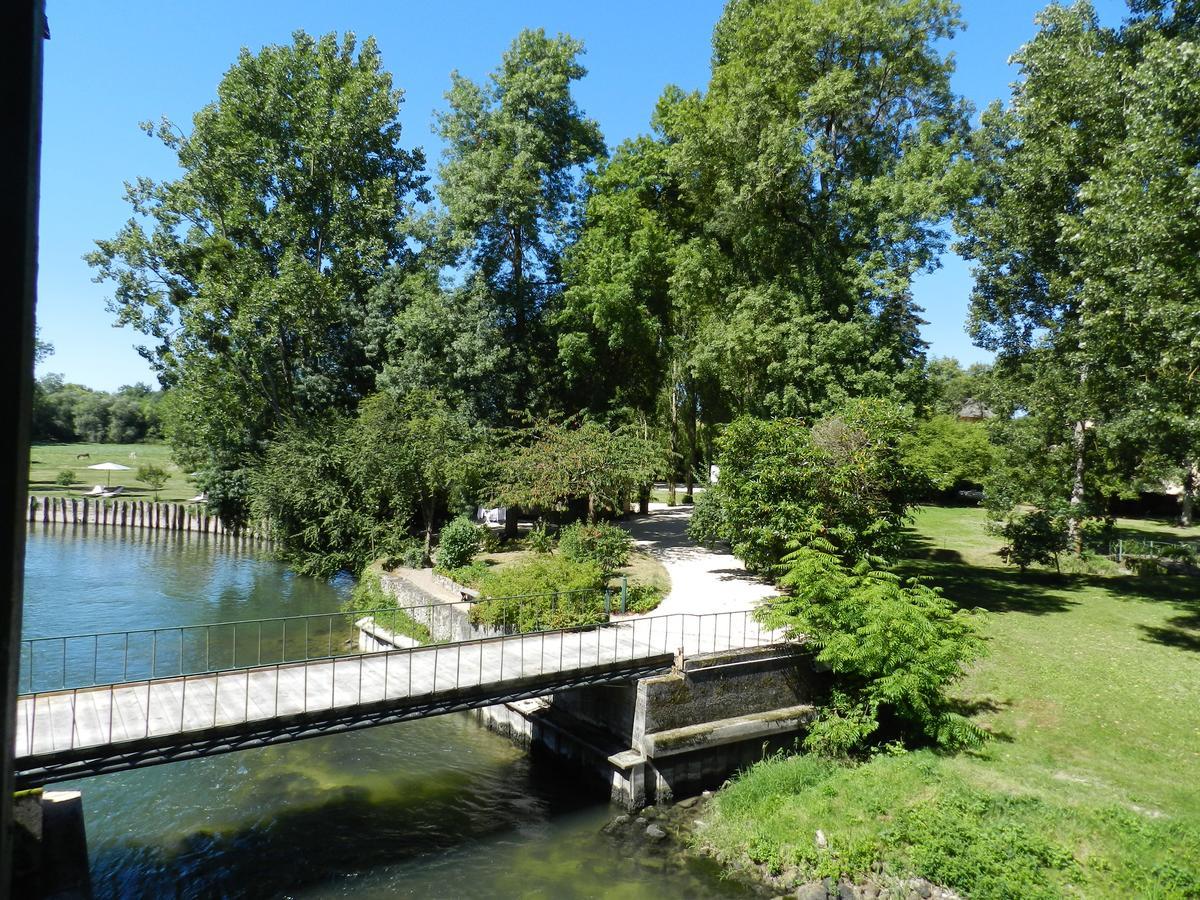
(110, 468)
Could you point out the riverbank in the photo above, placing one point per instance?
(1090, 785)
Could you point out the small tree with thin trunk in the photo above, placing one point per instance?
(563, 461)
(154, 477)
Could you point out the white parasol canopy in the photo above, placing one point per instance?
(110, 467)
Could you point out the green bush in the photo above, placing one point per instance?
(608, 546)
(893, 648)
(457, 544)
(65, 478)
(405, 551)
(545, 592)
(707, 525)
(844, 476)
(468, 576)
(1036, 537)
(540, 540)
(642, 598)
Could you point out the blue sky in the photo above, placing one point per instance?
(112, 65)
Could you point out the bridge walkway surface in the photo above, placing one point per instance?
(69, 733)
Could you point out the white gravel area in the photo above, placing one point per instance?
(702, 580)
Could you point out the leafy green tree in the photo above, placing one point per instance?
(1027, 304)
(948, 452)
(826, 156)
(516, 147)
(305, 488)
(415, 453)
(446, 340)
(608, 546)
(1139, 259)
(1034, 537)
(844, 478)
(893, 646)
(559, 462)
(250, 272)
(953, 389)
(153, 476)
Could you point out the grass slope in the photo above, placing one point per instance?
(1091, 785)
(47, 460)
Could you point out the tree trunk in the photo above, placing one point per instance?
(591, 512)
(693, 413)
(674, 434)
(428, 557)
(1078, 442)
(1191, 487)
(510, 523)
(644, 499)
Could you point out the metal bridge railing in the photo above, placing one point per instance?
(129, 711)
(63, 662)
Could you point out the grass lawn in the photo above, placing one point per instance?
(47, 460)
(1091, 784)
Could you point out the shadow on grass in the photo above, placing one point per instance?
(1171, 533)
(996, 590)
(1179, 638)
(976, 706)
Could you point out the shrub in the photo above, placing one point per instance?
(540, 540)
(469, 575)
(608, 546)
(545, 592)
(642, 598)
(1099, 533)
(893, 648)
(1036, 537)
(65, 478)
(707, 525)
(403, 550)
(844, 476)
(457, 544)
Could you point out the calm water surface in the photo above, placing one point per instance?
(435, 808)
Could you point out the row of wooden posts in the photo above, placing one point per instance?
(101, 512)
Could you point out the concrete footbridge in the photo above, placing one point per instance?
(107, 702)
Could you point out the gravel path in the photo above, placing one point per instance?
(702, 580)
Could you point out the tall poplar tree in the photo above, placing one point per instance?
(516, 149)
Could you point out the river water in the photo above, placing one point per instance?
(434, 808)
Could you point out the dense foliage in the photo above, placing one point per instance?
(562, 461)
(844, 477)
(608, 546)
(71, 412)
(458, 542)
(734, 286)
(1083, 229)
(547, 591)
(894, 647)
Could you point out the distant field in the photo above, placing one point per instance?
(47, 460)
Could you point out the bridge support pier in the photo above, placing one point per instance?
(51, 844)
(673, 735)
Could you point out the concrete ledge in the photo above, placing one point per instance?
(726, 731)
(373, 637)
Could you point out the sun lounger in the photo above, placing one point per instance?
(96, 491)
(114, 492)
(199, 498)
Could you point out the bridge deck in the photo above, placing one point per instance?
(101, 722)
